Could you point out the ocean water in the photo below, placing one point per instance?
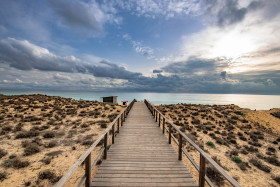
(258, 102)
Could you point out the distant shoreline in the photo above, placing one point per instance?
(131, 91)
(258, 102)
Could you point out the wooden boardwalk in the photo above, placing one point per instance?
(141, 156)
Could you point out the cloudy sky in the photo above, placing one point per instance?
(194, 46)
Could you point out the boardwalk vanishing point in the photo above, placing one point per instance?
(141, 156)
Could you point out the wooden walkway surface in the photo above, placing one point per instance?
(141, 156)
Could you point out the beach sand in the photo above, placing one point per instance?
(41, 137)
(228, 133)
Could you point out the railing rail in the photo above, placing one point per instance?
(86, 157)
(203, 156)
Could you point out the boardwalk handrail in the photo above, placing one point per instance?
(203, 156)
(86, 157)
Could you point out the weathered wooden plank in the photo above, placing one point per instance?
(141, 153)
(100, 171)
(142, 160)
(129, 175)
(131, 151)
(163, 154)
(138, 162)
(191, 184)
(144, 180)
(143, 165)
(137, 149)
(142, 169)
(144, 148)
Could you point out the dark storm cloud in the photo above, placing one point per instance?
(209, 76)
(157, 71)
(108, 69)
(224, 74)
(26, 56)
(266, 52)
(76, 13)
(228, 12)
(194, 65)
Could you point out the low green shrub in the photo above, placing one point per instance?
(211, 144)
(3, 176)
(47, 174)
(2, 153)
(31, 149)
(260, 165)
(236, 159)
(15, 163)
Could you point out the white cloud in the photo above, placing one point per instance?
(144, 50)
(153, 8)
(138, 46)
(13, 81)
(92, 58)
(127, 37)
(60, 76)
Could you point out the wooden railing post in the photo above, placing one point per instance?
(159, 119)
(180, 147)
(118, 125)
(202, 171)
(163, 124)
(169, 136)
(105, 145)
(113, 134)
(121, 119)
(124, 115)
(156, 116)
(88, 170)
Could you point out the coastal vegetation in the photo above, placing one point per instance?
(244, 142)
(42, 136)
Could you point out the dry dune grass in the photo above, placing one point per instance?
(41, 137)
(245, 143)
